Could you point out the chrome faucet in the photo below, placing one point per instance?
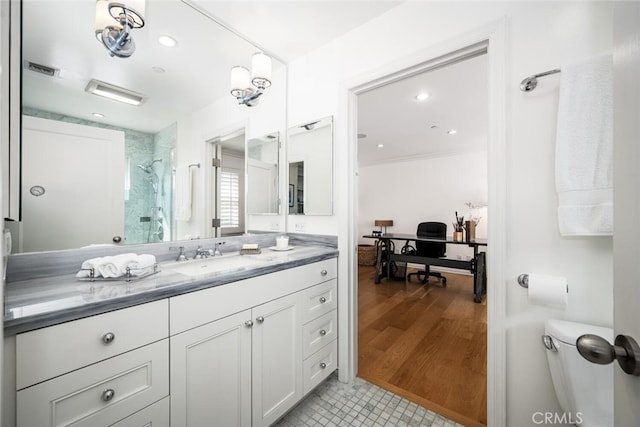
(181, 255)
(217, 252)
(203, 253)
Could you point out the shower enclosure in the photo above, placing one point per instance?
(155, 228)
(149, 190)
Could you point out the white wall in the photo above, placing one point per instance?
(540, 36)
(219, 119)
(426, 189)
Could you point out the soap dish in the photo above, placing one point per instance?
(252, 251)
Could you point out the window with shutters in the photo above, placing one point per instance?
(229, 199)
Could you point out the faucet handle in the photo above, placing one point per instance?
(217, 252)
(181, 255)
(203, 253)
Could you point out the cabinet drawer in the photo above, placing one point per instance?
(197, 308)
(320, 300)
(46, 353)
(319, 332)
(320, 366)
(156, 415)
(99, 394)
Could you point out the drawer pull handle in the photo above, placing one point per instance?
(323, 272)
(323, 332)
(323, 365)
(248, 323)
(108, 394)
(259, 319)
(323, 300)
(108, 338)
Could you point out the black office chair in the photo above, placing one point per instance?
(429, 249)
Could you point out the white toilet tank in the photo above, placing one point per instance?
(584, 389)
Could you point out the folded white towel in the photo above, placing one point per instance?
(141, 265)
(584, 148)
(183, 193)
(87, 265)
(114, 266)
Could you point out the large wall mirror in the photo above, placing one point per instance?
(98, 171)
(310, 159)
(262, 174)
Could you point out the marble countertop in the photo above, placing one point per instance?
(36, 303)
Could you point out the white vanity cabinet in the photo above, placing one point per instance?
(93, 371)
(239, 354)
(245, 366)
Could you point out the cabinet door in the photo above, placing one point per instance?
(211, 374)
(277, 358)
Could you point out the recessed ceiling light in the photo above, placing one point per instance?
(380, 145)
(423, 96)
(452, 132)
(167, 41)
(98, 115)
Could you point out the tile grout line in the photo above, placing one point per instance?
(359, 404)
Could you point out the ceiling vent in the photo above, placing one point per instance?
(42, 69)
(114, 92)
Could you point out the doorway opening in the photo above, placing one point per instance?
(422, 156)
(226, 181)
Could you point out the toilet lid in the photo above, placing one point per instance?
(568, 332)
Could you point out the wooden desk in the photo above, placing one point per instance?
(476, 265)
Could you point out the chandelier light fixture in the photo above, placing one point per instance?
(247, 86)
(114, 22)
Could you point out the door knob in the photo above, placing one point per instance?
(598, 350)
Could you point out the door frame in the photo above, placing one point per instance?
(494, 35)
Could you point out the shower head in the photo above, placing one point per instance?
(148, 167)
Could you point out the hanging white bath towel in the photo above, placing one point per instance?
(584, 148)
(183, 193)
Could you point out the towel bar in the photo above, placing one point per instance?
(530, 83)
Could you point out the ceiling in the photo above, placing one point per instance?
(289, 29)
(407, 128)
(197, 70)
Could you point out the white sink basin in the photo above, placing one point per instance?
(201, 267)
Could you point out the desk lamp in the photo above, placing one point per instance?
(383, 223)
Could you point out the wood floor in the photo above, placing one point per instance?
(426, 343)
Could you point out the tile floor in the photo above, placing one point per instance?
(334, 404)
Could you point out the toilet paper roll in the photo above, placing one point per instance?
(548, 291)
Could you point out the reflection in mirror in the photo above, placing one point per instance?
(123, 192)
(262, 174)
(296, 188)
(227, 180)
(310, 157)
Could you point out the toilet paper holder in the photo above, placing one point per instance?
(523, 280)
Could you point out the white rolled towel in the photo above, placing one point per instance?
(113, 266)
(87, 265)
(141, 265)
